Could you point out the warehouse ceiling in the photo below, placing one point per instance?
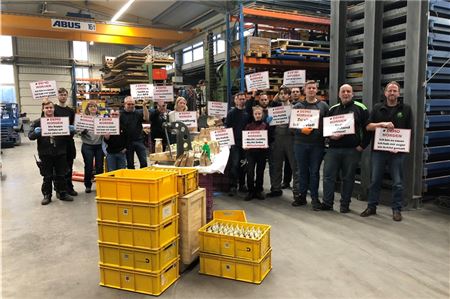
(171, 14)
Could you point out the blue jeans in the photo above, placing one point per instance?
(116, 161)
(91, 152)
(395, 162)
(309, 157)
(344, 160)
(138, 147)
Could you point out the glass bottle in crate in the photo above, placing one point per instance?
(158, 145)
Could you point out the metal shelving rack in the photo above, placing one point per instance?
(405, 41)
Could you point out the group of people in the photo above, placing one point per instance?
(302, 151)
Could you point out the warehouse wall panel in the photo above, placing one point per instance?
(39, 47)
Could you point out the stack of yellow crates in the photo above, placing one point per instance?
(138, 230)
(192, 211)
(235, 249)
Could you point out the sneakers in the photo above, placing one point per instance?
(260, 195)
(299, 201)
(285, 186)
(368, 212)
(65, 197)
(46, 200)
(344, 209)
(316, 205)
(88, 190)
(325, 207)
(397, 216)
(72, 192)
(243, 189)
(275, 193)
(248, 197)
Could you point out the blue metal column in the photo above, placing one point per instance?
(242, 45)
(228, 59)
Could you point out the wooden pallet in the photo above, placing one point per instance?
(306, 54)
(287, 44)
(259, 54)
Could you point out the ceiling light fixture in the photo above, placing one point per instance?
(122, 10)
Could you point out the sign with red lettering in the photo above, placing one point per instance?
(304, 118)
(106, 125)
(43, 89)
(189, 118)
(224, 137)
(219, 109)
(255, 139)
(258, 81)
(55, 126)
(343, 124)
(141, 91)
(163, 93)
(392, 140)
(294, 78)
(84, 122)
(280, 115)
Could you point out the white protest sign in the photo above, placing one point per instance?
(163, 93)
(280, 115)
(224, 137)
(84, 122)
(343, 124)
(255, 139)
(189, 118)
(294, 78)
(55, 126)
(141, 91)
(258, 81)
(393, 140)
(304, 118)
(43, 89)
(106, 125)
(217, 109)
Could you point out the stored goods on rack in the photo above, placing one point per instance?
(136, 213)
(238, 269)
(137, 259)
(192, 210)
(141, 237)
(187, 178)
(138, 281)
(140, 186)
(289, 44)
(233, 215)
(251, 243)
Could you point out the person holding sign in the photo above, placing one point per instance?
(344, 152)
(131, 124)
(158, 117)
(389, 114)
(180, 106)
(91, 149)
(62, 110)
(309, 148)
(52, 152)
(116, 148)
(295, 95)
(237, 119)
(256, 157)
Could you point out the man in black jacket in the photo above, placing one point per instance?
(52, 152)
(344, 152)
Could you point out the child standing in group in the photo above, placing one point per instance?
(256, 157)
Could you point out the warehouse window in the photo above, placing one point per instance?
(198, 51)
(219, 44)
(187, 55)
(7, 85)
(6, 48)
(80, 51)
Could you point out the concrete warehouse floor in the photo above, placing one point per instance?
(51, 251)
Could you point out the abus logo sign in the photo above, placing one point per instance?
(67, 24)
(73, 25)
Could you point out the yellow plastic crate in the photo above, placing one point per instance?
(137, 259)
(236, 269)
(187, 178)
(136, 185)
(136, 213)
(233, 215)
(236, 247)
(138, 281)
(140, 237)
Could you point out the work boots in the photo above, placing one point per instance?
(46, 200)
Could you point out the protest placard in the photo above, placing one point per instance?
(84, 122)
(304, 118)
(218, 109)
(392, 140)
(141, 91)
(294, 78)
(55, 126)
(342, 124)
(258, 81)
(224, 137)
(254, 139)
(163, 93)
(280, 115)
(106, 125)
(43, 89)
(189, 118)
